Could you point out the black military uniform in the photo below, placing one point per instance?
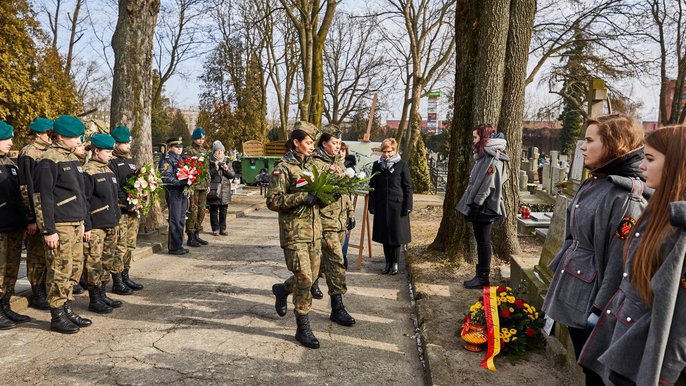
(177, 201)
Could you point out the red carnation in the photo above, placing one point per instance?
(505, 313)
(519, 303)
(502, 289)
(530, 332)
(200, 164)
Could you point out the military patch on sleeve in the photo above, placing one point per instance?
(490, 171)
(624, 227)
(166, 166)
(276, 173)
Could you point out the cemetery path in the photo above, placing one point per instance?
(208, 318)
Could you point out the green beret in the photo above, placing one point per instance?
(308, 128)
(121, 134)
(68, 126)
(175, 141)
(102, 141)
(198, 133)
(41, 125)
(6, 130)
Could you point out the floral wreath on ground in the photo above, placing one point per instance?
(143, 189)
(520, 323)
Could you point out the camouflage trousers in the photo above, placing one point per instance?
(332, 262)
(118, 255)
(196, 211)
(97, 266)
(35, 259)
(10, 258)
(65, 263)
(303, 260)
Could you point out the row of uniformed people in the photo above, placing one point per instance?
(64, 205)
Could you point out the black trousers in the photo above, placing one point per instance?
(482, 234)
(177, 202)
(579, 336)
(392, 253)
(218, 217)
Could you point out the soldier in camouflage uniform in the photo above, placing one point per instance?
(123, 167)
(198, 199)
(101, 221)
(60, 205)
(12, 227)
(78, 267)
(335, 218)
(299, 235)
(41, 128)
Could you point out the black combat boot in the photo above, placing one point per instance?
(281, 294)
(483, 267)
(77, 289)
(6, 323)
(338, 312)
(96, 303)
(130, 283)
(61, 323)
(315, 291)
(304, 334)
(198, 239)
(39, 299)
(11, 315)
(110, 302)
(118, 286)
(73, 317)
(192, 242)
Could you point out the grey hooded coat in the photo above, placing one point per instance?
(588, 268)
(645, 344)
(486, 180)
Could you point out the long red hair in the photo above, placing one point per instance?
(484, 131)
(670, 141)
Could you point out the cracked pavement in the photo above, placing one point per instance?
(208, 318)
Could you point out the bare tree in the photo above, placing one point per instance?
(355, 67)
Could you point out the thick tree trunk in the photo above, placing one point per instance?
(132, 43)
(511, 115)
(317, 97)
(454, 235)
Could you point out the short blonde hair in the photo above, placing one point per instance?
(389, 142)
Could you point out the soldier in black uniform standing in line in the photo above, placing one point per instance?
(41, 129)
(12, 226)
(177, 201)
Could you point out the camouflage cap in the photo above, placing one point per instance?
(6, 130)
(332, 130)
(308, 128)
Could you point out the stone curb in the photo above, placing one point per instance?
(20, 300)
(417, 319)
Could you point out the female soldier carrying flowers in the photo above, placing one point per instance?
(640, 338)
(300, 236)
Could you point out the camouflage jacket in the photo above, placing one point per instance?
(27, 161)
(334, 216)
(101, 195)
(60, 189)
(199, 151)
(284, 197)
(12, 216)
(123, 167)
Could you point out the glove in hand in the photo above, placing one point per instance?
(351, 223)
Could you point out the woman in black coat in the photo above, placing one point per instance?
(219, 195)
(390, 202)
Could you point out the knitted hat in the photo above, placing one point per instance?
(217, 145)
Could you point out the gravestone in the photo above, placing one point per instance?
(533, 165)
(555, 237)
(547, 179)
(523, 180)
(554, 158)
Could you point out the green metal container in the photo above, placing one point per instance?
(251, 167)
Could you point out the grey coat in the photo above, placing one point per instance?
(646, 345)
(486, 180)
(588, 268)
(220, 182)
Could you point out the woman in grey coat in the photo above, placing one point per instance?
(588, 268)
(219, 195)
(640, 338)
(482, 202)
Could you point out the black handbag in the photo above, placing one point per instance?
(215, 191)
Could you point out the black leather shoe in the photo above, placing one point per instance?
(315, 291)
(304, 333)
(224, 233)
(394, 269)
(110, 302)
(179, 252)
(96, 304)
(11, 315)
(130, 283)
(480, 280)
(60, 323)
(281, 294)
(118, 286)
(198, 239)
(386, 268)
(338, 313)
(75, 318)
(6, 323)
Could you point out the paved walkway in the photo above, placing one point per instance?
(208, 318)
